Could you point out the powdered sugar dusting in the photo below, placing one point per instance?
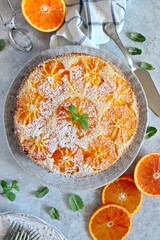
(49, 134)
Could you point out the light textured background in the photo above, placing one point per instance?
(142, 16)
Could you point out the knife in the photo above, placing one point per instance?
(153, 97)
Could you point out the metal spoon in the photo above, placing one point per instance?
(19, 37)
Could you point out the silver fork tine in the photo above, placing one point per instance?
(9, 231)
(14, 226)
(34, 235)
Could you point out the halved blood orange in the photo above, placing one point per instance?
(44, 15)
(147, 174)
(109, 222)
(123, 192)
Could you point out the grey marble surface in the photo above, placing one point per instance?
(142, 16)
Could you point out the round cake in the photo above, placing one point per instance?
(76, 115)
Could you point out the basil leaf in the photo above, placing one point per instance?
(84, 123)
(41, 192)
(11, 196)
(146, 66)
(138, 37)
(75, 202)
(73, 109)
(54, 213)
(151, 131)
(86, 116)
(134, 51)
(75, 118)
(2, 44)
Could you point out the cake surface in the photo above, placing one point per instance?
(53, 136)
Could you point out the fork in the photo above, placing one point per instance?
(17, 232)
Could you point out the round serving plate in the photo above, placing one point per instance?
(29, 222)
(75, 183)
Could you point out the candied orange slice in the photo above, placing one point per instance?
(119, 123)
(123, 192)
(86, 73)
(28, 107)
(109, 222)
(64, 159)
(100, 153)
(54, 71)
(36, 147)
(64, 116)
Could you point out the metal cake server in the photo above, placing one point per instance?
(144, 77)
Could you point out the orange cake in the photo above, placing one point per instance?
(76, 114)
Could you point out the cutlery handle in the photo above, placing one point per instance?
(110, 30)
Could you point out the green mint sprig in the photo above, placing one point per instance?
(146, 66)
(151, 131)
(82, 119)
(41, 192)
(137, 37)
(134, 51)
(75, 202)
(7, 189)
(53, 212)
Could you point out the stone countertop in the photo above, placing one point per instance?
(142, 16)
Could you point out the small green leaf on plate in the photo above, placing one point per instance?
(151, 131)
(54, 213)
(138, 37)
(73, 109)
(2, 44)
(146, 66)
(134, 51)
(75, 202)
(41, 192)
(11, 196)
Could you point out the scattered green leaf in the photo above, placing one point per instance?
(134, 51)
(2, 44)
(41, 192)
(7, 189)
(75, 202)
(151, 131)
(11, 196)
(138, 37)
(15, 185)
(54, 213)
(82, 119)
(146, 66)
